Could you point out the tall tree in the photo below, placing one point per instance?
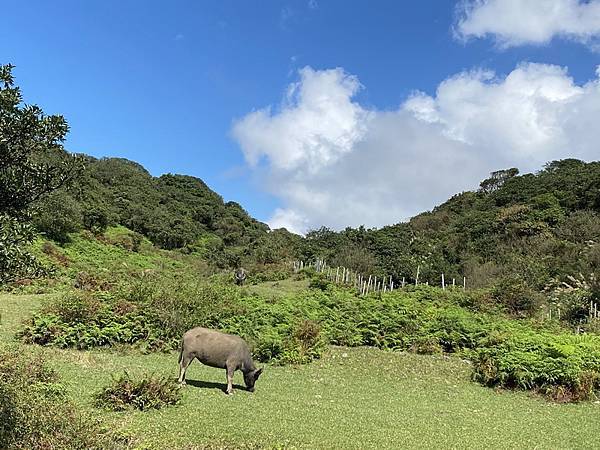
(33, 162)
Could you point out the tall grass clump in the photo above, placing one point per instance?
(149, 392)
(35, 414)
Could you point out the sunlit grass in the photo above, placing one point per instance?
(352, 398)
(13, 310)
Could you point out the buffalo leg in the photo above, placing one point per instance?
(183, 365)
(229, 380)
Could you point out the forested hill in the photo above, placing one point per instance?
(533, 230)
(173, 211)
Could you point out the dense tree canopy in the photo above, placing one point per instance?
(533, 229)
(173, 211)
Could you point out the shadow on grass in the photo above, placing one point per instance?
(212, 385)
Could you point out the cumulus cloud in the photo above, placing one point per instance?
(334, 162)
(517, 22)
(315, 126)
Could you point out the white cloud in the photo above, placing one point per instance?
(334, 162)
(315, 126)
(290, 219)
(517, 22)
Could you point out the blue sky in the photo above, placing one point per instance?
(174, 86)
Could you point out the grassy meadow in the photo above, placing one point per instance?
(351, 398)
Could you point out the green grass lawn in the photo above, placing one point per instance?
(13, 310)
(352, 398)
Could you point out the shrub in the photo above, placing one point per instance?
(34, 412)
(307, 335)
(130, 241)
(76, 307)
(57, 216)
(88, 282)
(517, 297)
(319, 281)
(95, 220)
(565, 367)
(149, 392)
(15, 259)
(261, 273)
(85, 320)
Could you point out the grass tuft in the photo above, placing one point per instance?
(149, 392)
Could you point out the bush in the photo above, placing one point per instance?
(34, 413)
(319, 281)
(130, 241)
(88, 282)
(95, 220)
(564, 367)
(149, 392)
(15, 260)
(517, 297)
(86, 320)
(76, 308)
(57, 216)
(261, 273)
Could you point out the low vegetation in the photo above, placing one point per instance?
(563, 367)
(353, 398)
(148, 392)
(35, 412)
(296, 328)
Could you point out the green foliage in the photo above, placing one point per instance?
(58, 216)
(565, 367)
(32, 159)
(34, 412)
(95, 220)
(82, 320)
(497, 179)
(319, 281)
(296, 328)
(15, 260)
(149, 392)
(535, 228)
(172, 211)
(275, 247)
(157, 315)
(265, 273)
(32, 164)
(517, 297)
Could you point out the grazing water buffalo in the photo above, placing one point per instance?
(216, 349)
(240, 276)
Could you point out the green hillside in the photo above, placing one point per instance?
(104, 267)
(523, 235)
